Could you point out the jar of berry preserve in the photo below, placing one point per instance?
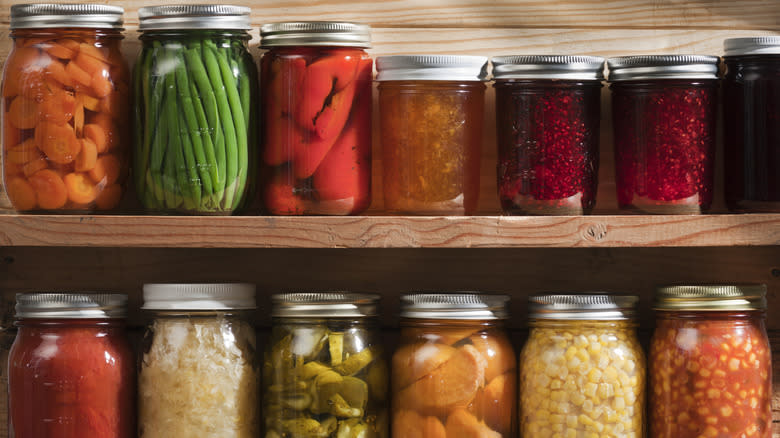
(664, 120)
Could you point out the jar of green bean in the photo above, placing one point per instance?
(195, 84)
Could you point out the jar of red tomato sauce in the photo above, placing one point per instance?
(315, 116)
(65, 103)
(71, 370)
(664, 120)
(710, 363)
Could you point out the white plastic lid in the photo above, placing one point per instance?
(199, 296)
(431, 68)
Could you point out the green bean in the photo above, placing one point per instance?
(191, 165)
(176, 168)
(238, 119)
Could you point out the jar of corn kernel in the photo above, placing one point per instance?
(710, 363)
(582, 371)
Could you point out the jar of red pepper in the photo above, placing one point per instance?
(751, 109)
(664, 119)
(71, 370)
(315, 83)
(710, 363)
(548, 110)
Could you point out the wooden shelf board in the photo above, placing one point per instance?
(390, 231)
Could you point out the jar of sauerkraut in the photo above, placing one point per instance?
(198, 374)
(582, 370)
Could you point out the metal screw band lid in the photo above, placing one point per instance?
(71, 305)
(585, 307)
(195, 17)
(315, 33)
(324, 305)
(199, 296)
(548, 67)
(468, 306)
(46, 15)
(631, 68)
(762, 45)
(431, 68)
(711, 297)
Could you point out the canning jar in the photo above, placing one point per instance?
(324, 373)
(710, 363)
(66, 94)
(664, 121)
(548, 110)
(198, 372)
(316, 117)
(582, 369)
(195, 83)
(431, 109)
(454, 372)
(751, 110)
(71, 371)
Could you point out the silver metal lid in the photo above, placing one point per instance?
(711, 297)
(71, 305)
(196, 17)
(632, 68)
(315, 33)
(199, 296)
(324, 305)
(45, 15)
(471, 306)
(585, 307)
(570, 67)
(431, 68)
(762, 45)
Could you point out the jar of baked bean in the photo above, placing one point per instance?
(582, 371)
(710, 363)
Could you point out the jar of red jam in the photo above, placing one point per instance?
(65, 109)
(71, 371)
(664, 120)
(710, 363)
(431, 109)
(315, 81)
(548, 110)
(751, 109)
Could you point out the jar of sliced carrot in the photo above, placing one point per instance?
(454, 373)
(65, 101)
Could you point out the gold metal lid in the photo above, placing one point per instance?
(711, 297)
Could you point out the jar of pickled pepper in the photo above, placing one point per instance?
(316, 118)
(751, 108)
(710, 363)
(324, 373)
(65, 118)
(431, 111)
(454, 372)
(548, 110)
(664, 120)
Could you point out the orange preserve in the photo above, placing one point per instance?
(454, 372)
(65, 103)
(710, 364)
(431, 112)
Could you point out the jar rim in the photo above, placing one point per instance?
(55, 15)
(70, 305)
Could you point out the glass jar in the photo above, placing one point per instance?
(325, 373)
(548, 110)
(431, 110)
(195, 84)
(710, 363)
(71, 368)
(751, 109)
(316, 118)
(582, 369)
(454, 372)
(199, 374)
(65, 120)
(664, 120)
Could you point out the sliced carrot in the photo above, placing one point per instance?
(101, 85)
(21, 194)
(81, 189)
(106, 170)
(90, 64)
(32, 84)
(23, 153)
(109, 197)
(50, 189)
(23, 58)
(99, 53)
(58, 142)
(109, 127)
(98, 135)
(11, 136)
(23, 113)
(72, 45)
(87, 158)
(78, 118)
(12, 169)
(89, 102)
(116, 104)
(34, 166)
(56, 70)
(60, 51)
(78, 74)
(57, 108)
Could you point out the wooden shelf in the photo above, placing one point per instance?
(390, 231)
